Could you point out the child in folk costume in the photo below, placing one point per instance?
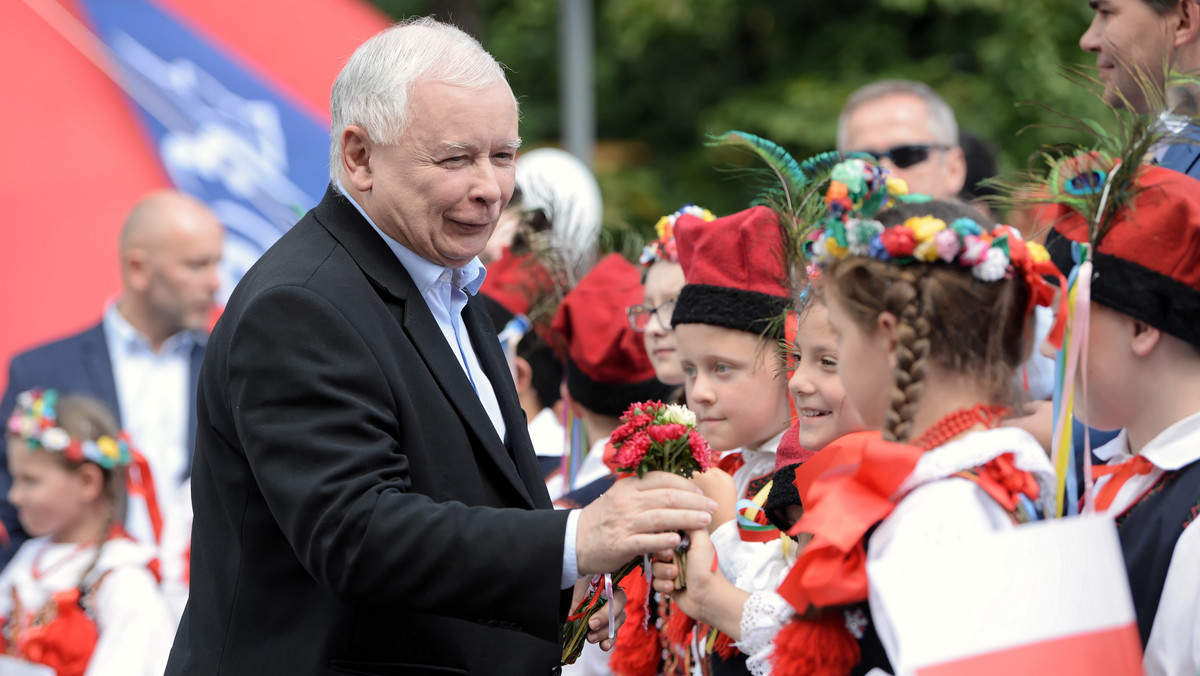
(727, 332)
(663, 279)
(80, 597)
(932, 313)
(1142, 375)
(823, 415)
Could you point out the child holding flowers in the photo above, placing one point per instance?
(932, 314)
(726, 331)
(80, 597)
(823, 415)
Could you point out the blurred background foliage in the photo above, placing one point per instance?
(669, 71)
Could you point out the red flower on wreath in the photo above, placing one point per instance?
(898, 241)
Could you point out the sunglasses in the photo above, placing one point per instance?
(906, 156)
(639, 315)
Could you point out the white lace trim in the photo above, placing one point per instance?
(978, 448)
(763, 616)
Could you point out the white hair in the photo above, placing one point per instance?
(941, 122)
(372, 91)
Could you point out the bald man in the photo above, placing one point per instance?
(143, 358)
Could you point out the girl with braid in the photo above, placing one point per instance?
(932, 316)
(81, 597)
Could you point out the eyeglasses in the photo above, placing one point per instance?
(906, 156)
(639, 315)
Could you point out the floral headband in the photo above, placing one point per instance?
(663, 248)
(35, 422)
(858, 190)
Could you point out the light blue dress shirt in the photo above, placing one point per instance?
(445, 292)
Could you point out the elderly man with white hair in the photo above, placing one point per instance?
(367, 499)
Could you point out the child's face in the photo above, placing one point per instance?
(664, 280)
(50, 498)
(732, 385)
(1112, 371)
(865, 366)
(817, 392)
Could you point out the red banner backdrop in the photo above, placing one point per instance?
(79, 156)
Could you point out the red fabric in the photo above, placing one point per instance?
(637, 651)
(1114, 651)
(741, 251)
(731, 463)
(790, 451)
(1121, 472)
(1001, 479)
(1161, 232)
(63, 638)
(816, 647)
(516, 282)
(592, 322)
(841, 456)
(842, 507)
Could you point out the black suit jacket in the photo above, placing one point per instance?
(77, 364)
(355, 510)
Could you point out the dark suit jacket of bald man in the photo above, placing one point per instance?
(355, 510)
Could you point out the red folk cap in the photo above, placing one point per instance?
(1146, 265)
(734, 267)
(607, 367)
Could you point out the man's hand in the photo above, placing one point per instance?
(638, 516)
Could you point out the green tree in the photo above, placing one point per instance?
(668, 71)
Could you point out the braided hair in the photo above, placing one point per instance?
(945, 316)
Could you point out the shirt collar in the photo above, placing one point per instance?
(122, 334)
(423, 272)
(1174, 448)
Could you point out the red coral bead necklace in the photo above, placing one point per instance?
(957, 422)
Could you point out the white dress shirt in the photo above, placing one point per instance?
(153, 389)
(445, 292)
(1174, 643)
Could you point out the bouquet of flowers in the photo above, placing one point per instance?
(653, 436)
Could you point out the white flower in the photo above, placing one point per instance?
(25, 400)
(682, 415)
(993, 267)
(56, 439)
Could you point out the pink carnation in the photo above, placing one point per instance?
(630, 455)
(700, 450)
(947, 244)
(669, 432)
(622, 434)
(974, 250)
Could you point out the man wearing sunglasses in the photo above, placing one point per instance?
(910, 130)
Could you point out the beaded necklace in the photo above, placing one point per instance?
(957, 422)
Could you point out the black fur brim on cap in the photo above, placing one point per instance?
(611, 399)
(748, 311)
(1132, 289)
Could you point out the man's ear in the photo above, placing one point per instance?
(136, 261)
(887, 332)
(356, 157)
(1145, 337)
(1185, 23)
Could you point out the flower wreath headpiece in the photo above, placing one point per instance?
(663, 247)
(858, 190)
(35, 421)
